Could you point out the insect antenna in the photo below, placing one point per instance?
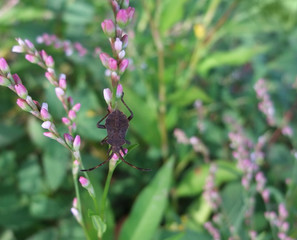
(138, 168)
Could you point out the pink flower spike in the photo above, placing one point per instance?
(4, 81)
(68, 139)
(31, 58)
(23, 105)
(60, 93)
(50, 135)
(62, 81)
(21, 90)
(29, 44)
(122, 18)
(118, 45)
(49, 62)
(66, 121)
(84, 182)
(119, 92)
(72, 114)
(123, 65)
(104, 57)
(107, 95)
(112, 64)
(18, 49)
(4, 66)
(76, 107)
(76, 143)
(46, 124)
(108, 28)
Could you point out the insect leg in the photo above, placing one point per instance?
(138, 168)
(90, 169)
(104, 140)
(131, 116)
(101, 125)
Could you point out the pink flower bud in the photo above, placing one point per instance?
(107, 95)
(119, 92)
(124, 40)
(122, 18)
(29, 44)
(70, 101)
(18, 49)
(112, 64)
(123, 65)
(130, 11)
(50, 135)
(62, 81)
(74, 202)
(108, 28)
(104, 57)
(16, 79)
(122, 54)
(84, 182)
(60, 93)
(68, 139)
(4, 66)
(23, 105)
(51, 77)
(76, 107)
(76, 214)
(115, 6)
(66, 121)
(76, 143)
(49, 62)
(31, 58)
(45, 114)
(46, 124)
(118, 45)
(21, 90)
(4, 81)
(72, 114)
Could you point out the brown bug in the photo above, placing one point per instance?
(116, 125)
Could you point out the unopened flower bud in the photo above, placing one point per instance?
(104, 57)
(50, 135)
(86, 184)
(29, 44)
(4, 81)
(45, 114)
(21, 90)
(4, 66)
(60, 93)
(123, 65)
(112, 64)
(31, 58)
(72, 114)
(107, 95)
(46, 124)
(119, 92)
(108, 28)
(68, 139)
(76, 143)
(76, 107)
(49, 62)
(62, 81)
(51, 77)
(122, 18)
(18, 49)
(130, 11)
(118, 45)
(23, 105)
(122, 54)
(125, 4)
(66, 121)
(124, 40)
(76, 214)
(16, 79)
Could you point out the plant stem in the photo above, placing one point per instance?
(105, 192)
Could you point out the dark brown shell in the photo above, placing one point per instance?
(116, 125)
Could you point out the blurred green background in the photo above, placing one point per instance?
(181, 51)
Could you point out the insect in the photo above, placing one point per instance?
(116, 125)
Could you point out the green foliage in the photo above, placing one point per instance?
(213, 52)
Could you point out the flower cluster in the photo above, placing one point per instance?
(265, 105)
(116, 64)
(279, 221)
(67, 46)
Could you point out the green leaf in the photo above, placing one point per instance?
(9, 133)
(55, 161)
(149, 207)
(99, 225)
(194, 181)
(184, 97)
(233, 57)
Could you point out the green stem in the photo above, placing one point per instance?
(105, 192)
